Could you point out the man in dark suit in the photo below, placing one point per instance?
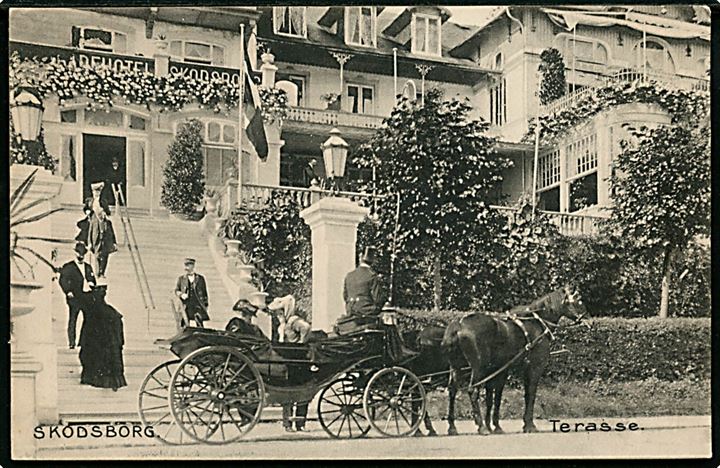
(362, 290)
(76, 281)
(101, 240)
(192, 291)
(84, 226)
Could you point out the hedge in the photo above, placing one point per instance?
(621, 350)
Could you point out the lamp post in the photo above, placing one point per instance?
(26, 110)
(334, 151)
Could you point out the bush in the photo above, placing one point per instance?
(617, 349)
(184, 181)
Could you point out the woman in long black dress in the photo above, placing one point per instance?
(101, 344)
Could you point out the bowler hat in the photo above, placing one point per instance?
(369, 255)
(244, 306)
(80, 248)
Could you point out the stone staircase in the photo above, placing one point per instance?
(163, 243)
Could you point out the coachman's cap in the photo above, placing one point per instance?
(189, 261)
(369, 255)
(97, 185)
(244, 306)
(80, 248)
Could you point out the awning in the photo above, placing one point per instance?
(653, 25)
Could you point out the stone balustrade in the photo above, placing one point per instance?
(569, 224)
(334, 118)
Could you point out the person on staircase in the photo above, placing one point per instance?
(192, 291)
(84, 226)
(101, 343)
(96, 202)
(76, 281)
(116, 179)
(102, 241)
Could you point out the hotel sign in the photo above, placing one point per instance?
(94, 58)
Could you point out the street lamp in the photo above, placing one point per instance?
(26, 110)
(335, 151)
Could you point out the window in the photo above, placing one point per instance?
(498, 61)
(360, 26)
(68, 164)
(549, 169)
(299, 81)
(584, 49)
(360, 99)
(68, 116)
(136, 156)
(290, 20)
(498, 103)
(426, 34)
(137, 123)
(658, 58)
(582, 159)
(221, 133)
(197, 52)
(220, 164)
(101, 118)
(99, 39)
(549, 200)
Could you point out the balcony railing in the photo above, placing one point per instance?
(334, 118)
(573, 99)
(568, 224)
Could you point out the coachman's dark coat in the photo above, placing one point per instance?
(363, 292)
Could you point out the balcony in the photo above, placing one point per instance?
(573, 99)
(334, 118)
(568, 224)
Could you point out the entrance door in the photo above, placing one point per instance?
(99, 151)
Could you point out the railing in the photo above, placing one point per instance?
(568, 224)
(334, 118)
(254, 196)
(573, 99)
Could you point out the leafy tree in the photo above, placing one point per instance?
(552, 68)
(662, 193)
(184, 180)
(447, 173)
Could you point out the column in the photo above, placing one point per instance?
(162, 58)
(333, 222)
(564, 187)
(604, 155)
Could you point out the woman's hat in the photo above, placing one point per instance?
(80, 248)
(97, 185)
(245, 307)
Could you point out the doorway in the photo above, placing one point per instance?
(99, 152)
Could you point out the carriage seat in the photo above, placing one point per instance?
(353, 323)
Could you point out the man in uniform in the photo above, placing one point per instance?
(192, 291)
(362, 290)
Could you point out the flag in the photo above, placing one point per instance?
(252, 107)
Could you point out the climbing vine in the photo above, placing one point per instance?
(682, 106)
(552, 69)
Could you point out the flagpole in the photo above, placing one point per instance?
(395, 72)
(241, 101)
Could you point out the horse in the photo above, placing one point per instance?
(488, 342)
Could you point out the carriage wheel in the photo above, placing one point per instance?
(394, 402)
(216, 395)
(153, 405)
(340, 410)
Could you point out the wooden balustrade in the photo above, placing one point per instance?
(334, 118)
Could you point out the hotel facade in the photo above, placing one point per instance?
(367, 55)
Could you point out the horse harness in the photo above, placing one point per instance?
(530, 344)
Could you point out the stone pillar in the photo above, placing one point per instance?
(333, 222)
(34, 357)
(268, 70)
(604, 155)
(268, 171)
(564, 186)
(162, 58)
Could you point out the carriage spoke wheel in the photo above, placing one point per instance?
(394, 402)
(340, 410)
(216, 395)
(153, 407)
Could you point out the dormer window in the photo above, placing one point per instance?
(197, 52)
(360, 26)
(426, 34)
(99, 39)
(290, 21)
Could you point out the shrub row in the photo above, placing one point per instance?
(622, 350)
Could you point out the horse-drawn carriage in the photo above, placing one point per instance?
(216, 390)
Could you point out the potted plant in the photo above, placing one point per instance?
(275, 108)
(236, 232)
(259, 297)
(332, 101)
